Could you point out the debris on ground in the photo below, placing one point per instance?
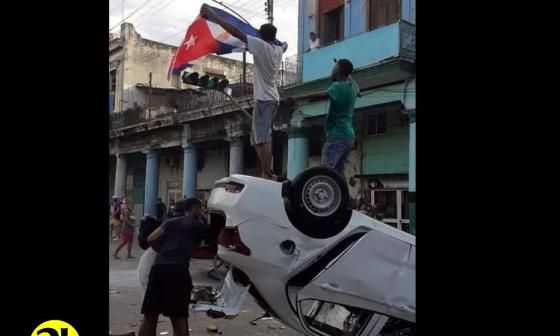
(114, 292)
(212, 329)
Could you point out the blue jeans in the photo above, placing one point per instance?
(335, 153)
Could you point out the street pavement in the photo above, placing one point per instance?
(125, 295)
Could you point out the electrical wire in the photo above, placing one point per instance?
(142, 5)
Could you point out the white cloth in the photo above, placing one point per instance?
(267, 58)
(145, 266)
(314, 45)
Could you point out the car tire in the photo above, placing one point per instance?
(319, 202)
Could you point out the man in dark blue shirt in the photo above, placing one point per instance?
(170, 285)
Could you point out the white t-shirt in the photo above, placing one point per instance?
(267, 58)
(314, 44)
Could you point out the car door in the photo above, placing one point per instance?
(371, 281)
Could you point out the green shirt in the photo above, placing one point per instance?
(339, 118)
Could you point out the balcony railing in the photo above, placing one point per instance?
(179, 101)
(291, 71)
(396, 40)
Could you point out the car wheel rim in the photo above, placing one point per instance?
(321, 196)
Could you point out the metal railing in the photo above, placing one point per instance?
(179, 102)
(291, 72)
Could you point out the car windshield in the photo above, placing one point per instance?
(334, 319)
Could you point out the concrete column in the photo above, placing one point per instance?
(189, 171)
(120, 176)
(236, 156)
(119, 88)
(152, 183)
(298, 151)
(412, 172)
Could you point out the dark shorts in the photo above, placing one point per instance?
(168, 292)
(263, 114)
(335, 153)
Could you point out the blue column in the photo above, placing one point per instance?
(189, 171)
(298, 151)
(152, 183)
(412, 172)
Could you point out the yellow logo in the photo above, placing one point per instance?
(55, 328)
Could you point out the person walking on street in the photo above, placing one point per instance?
(127, 231)
(267, 58)
(170, 285)
(115, 220)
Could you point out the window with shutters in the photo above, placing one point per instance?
(330, 21)
(383, 12)
(376, 123)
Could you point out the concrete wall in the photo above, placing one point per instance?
(112, 170)
(141, 57)
(172, 174)
(135, 176)
(381, 95)
(388, 153)
(214, 167)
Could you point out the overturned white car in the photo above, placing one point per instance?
(309, 260)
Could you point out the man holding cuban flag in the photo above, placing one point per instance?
(217, 31)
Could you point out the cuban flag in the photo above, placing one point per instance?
(205, 37)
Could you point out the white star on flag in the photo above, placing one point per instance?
(190, 41)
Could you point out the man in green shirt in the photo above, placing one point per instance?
(340, 133)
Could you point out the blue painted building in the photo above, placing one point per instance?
(378, 36)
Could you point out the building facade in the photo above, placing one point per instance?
(167, 140)
(378, 36)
